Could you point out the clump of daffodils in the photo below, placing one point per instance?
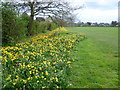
(40, 62)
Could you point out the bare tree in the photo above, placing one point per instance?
(54, 9)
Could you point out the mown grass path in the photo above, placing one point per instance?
(96, 63)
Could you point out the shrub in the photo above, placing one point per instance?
(51, 26)
(39, 27)
(13, 26)
(43, 26)
(8, 16)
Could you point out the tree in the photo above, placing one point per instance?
(114, 23)
(89, 23)
(53, 9)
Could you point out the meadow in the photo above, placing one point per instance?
(96, 58)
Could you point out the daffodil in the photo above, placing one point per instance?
(24, 81)
(14, 83)
(28, 78)
(46, 72)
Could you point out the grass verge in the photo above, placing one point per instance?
(95, 66)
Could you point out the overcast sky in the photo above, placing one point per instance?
(97, 10)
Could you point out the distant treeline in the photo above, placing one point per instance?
(89, 24)
(15, 25)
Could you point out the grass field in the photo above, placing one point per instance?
(96, 58)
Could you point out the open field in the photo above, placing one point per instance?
(96, 58)
(104, 35)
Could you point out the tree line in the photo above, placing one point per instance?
(90, 24)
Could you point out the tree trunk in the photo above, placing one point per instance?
(30, 26)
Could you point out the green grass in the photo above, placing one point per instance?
(96, 59)
(109, 35)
